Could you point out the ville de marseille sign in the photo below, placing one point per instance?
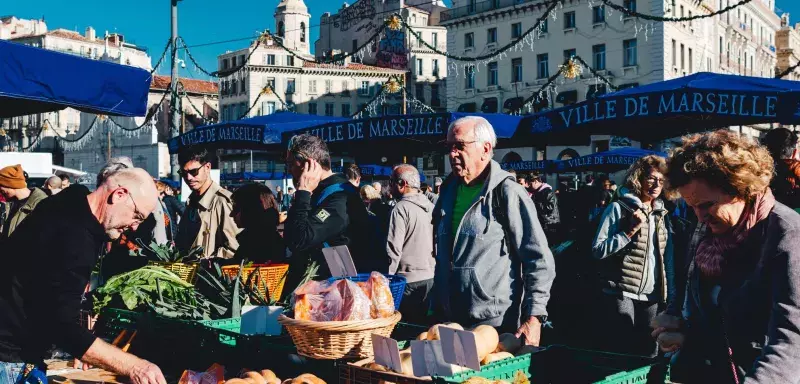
(428, 127)
(230, 134)
(668, 104)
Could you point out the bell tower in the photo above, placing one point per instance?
(292, 25)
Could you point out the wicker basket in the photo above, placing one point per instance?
(187, 272)
(337, 339)
(273, 274)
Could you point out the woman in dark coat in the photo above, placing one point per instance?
(255, 210)
(740, 321)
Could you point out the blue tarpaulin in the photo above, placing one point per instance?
(607, 161)
(35, 80)
(260, 132)
(428, 128)
(671, 108)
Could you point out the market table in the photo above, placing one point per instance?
(61, 372)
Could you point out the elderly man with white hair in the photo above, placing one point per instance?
(493, 265)
(40, 293)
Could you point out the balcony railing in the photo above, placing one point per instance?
(479, 7)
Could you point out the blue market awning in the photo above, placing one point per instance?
(260, 132)
(608, 161)
(35, 80)
(658, 111)
(426, 128)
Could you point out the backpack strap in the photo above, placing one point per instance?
(334, 188)
(499, 199)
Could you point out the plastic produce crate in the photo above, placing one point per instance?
(397, 284)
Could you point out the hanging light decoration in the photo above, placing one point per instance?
(265, 37)
(394, 23)
(393, 85)
(571, 69)
(266, 91)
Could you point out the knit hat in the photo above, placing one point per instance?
(13, 177)
(437, 181)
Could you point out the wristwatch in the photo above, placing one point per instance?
(542, 319)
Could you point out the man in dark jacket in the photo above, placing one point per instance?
(327, 211)
(546, 202)
(40, 294)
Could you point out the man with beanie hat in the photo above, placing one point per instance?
(20, 201)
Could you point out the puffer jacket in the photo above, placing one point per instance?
(546, 202)
(625, 262)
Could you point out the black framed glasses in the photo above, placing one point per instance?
(457, 145)
(194, 172)
(652, 180)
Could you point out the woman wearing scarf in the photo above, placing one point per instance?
(742, 307)
(634, 246)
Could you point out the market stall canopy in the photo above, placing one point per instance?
(540, 166)
(251, 176)
(260, 132)
(422, 128)
(35, 80)
(672, 108)
(607, 161)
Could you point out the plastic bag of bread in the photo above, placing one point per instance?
(355, 304)
(306, 297)
(380, 294)
(213, 375)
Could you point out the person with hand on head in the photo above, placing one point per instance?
(40, 294)
(635, 247)
(739, 320)
(207, 220)
(327, 211)
(52, 185)
(20, 200)
(493, 264)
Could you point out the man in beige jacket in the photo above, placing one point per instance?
(207, 221)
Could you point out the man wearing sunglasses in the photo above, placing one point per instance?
(493, 265)
(54, 251)
(207, 220)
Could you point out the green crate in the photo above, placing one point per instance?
(560, 364)
(233, 325)
(499, 370)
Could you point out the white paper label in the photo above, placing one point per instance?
(339, 261)
(387, 353)
(460, 348)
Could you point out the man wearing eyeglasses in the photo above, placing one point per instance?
(207, 220)
(493, 264)
(55, 250)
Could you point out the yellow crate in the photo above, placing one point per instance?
(273, 274)
(187, 272)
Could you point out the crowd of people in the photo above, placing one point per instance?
(696, 256)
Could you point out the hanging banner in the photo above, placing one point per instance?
(518, 166)
(392, 51)
(431, 127)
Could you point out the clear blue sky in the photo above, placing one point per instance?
(146, 22)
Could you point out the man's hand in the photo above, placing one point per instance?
(310, 178)
(145, 372)
(531, 330)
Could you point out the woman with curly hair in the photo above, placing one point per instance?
(741, 313)
(634, 245)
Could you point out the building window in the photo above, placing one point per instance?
(345, 88)
(269, 108)
(346, 110)
(328, 86)
(420, 92)
(470, 78)
(312, 108)
(280, 28)
(302, 32)
(328, 109)
(224, 64)
(312, 86)
(243, 87)
(674, 54)
(234, 87)
(492, 78)
(569, 53)
(569, 20)
(270, 59)
(491, 35)
(435, 68)
(630, 5)
(543, 25)
(271, 83)
(630, 56)
(364, 89)
(289, 86)
(516, 30)
(599, 57)
(241, 61)
(598, 14)
(469, 40)
(516, 70)
(543, 71)
(683, 62)
(435, 95)
(419, 67)
(233, 62)
(691, 60)
(290, 60)
(435, 39)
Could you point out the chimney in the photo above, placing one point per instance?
(91, 34)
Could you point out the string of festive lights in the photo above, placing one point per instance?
(223, 73)
(643, 16)
(161, 59)
(267, 90)
(787, 71)
(148, 117)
